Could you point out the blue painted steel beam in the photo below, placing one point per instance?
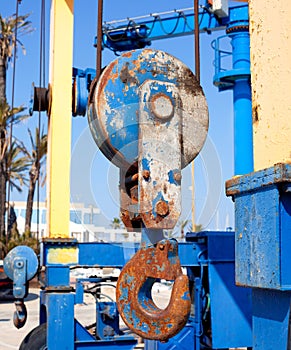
(60, 321)
(126, 37)
(191, 253)
(117, 254)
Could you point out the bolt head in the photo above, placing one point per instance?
(18, 264)
(162, 208)
(178, 176)
(162, 106)
(146, 174)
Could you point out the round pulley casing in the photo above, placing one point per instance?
(113, 112)
(14, 260)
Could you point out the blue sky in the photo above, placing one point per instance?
(97, 184)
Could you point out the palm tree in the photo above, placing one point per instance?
(8, 41)
(17, 166)
(14, 167)
(116, 223)
(36, 159)
(183, 224)
(7, 114)
(199, 228)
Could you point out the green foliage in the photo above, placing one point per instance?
(17, 166)
(28, 239)
(198, 228)
(116, 223)
(8, 39)
(14, 163)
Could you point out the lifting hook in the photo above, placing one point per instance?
(133, 292)
(20, 314)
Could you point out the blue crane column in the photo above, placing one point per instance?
(243, 128)
(238, 79)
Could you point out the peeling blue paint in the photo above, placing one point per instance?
(186, 296)
(145, 164)
(128, 278)
(124, 293)
(144, 327)
(161, 268)
(171, 177)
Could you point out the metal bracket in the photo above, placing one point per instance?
(159, 160)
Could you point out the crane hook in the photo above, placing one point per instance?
(20, 314)
(133, 292)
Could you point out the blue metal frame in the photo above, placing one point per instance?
(213, 281)
(209, 258)
(57, 299)
(138, 34)
(263, 226)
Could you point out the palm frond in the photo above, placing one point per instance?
(8, 39)
(17, 166)
(8, 115)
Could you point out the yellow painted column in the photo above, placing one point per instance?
(59, 142)
(270, 33)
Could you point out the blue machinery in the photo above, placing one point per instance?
(223, 313)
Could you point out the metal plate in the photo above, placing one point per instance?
(159, 155)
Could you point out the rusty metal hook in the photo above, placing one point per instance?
(133, 292)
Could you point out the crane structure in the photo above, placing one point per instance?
(148, 115)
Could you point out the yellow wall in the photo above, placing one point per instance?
(270, 30)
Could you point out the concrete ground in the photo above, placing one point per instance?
(11, 337)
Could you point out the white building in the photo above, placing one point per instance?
(87, 224)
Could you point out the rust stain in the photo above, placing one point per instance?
(146, 174)
(127, 54)
(162, 208)
(142, 315)
(107, 75)
(126, 76)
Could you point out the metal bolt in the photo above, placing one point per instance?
(162, 106)
(19, 264)
(108, 331)
(146, 174)
(162, 208)
(178, 176)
